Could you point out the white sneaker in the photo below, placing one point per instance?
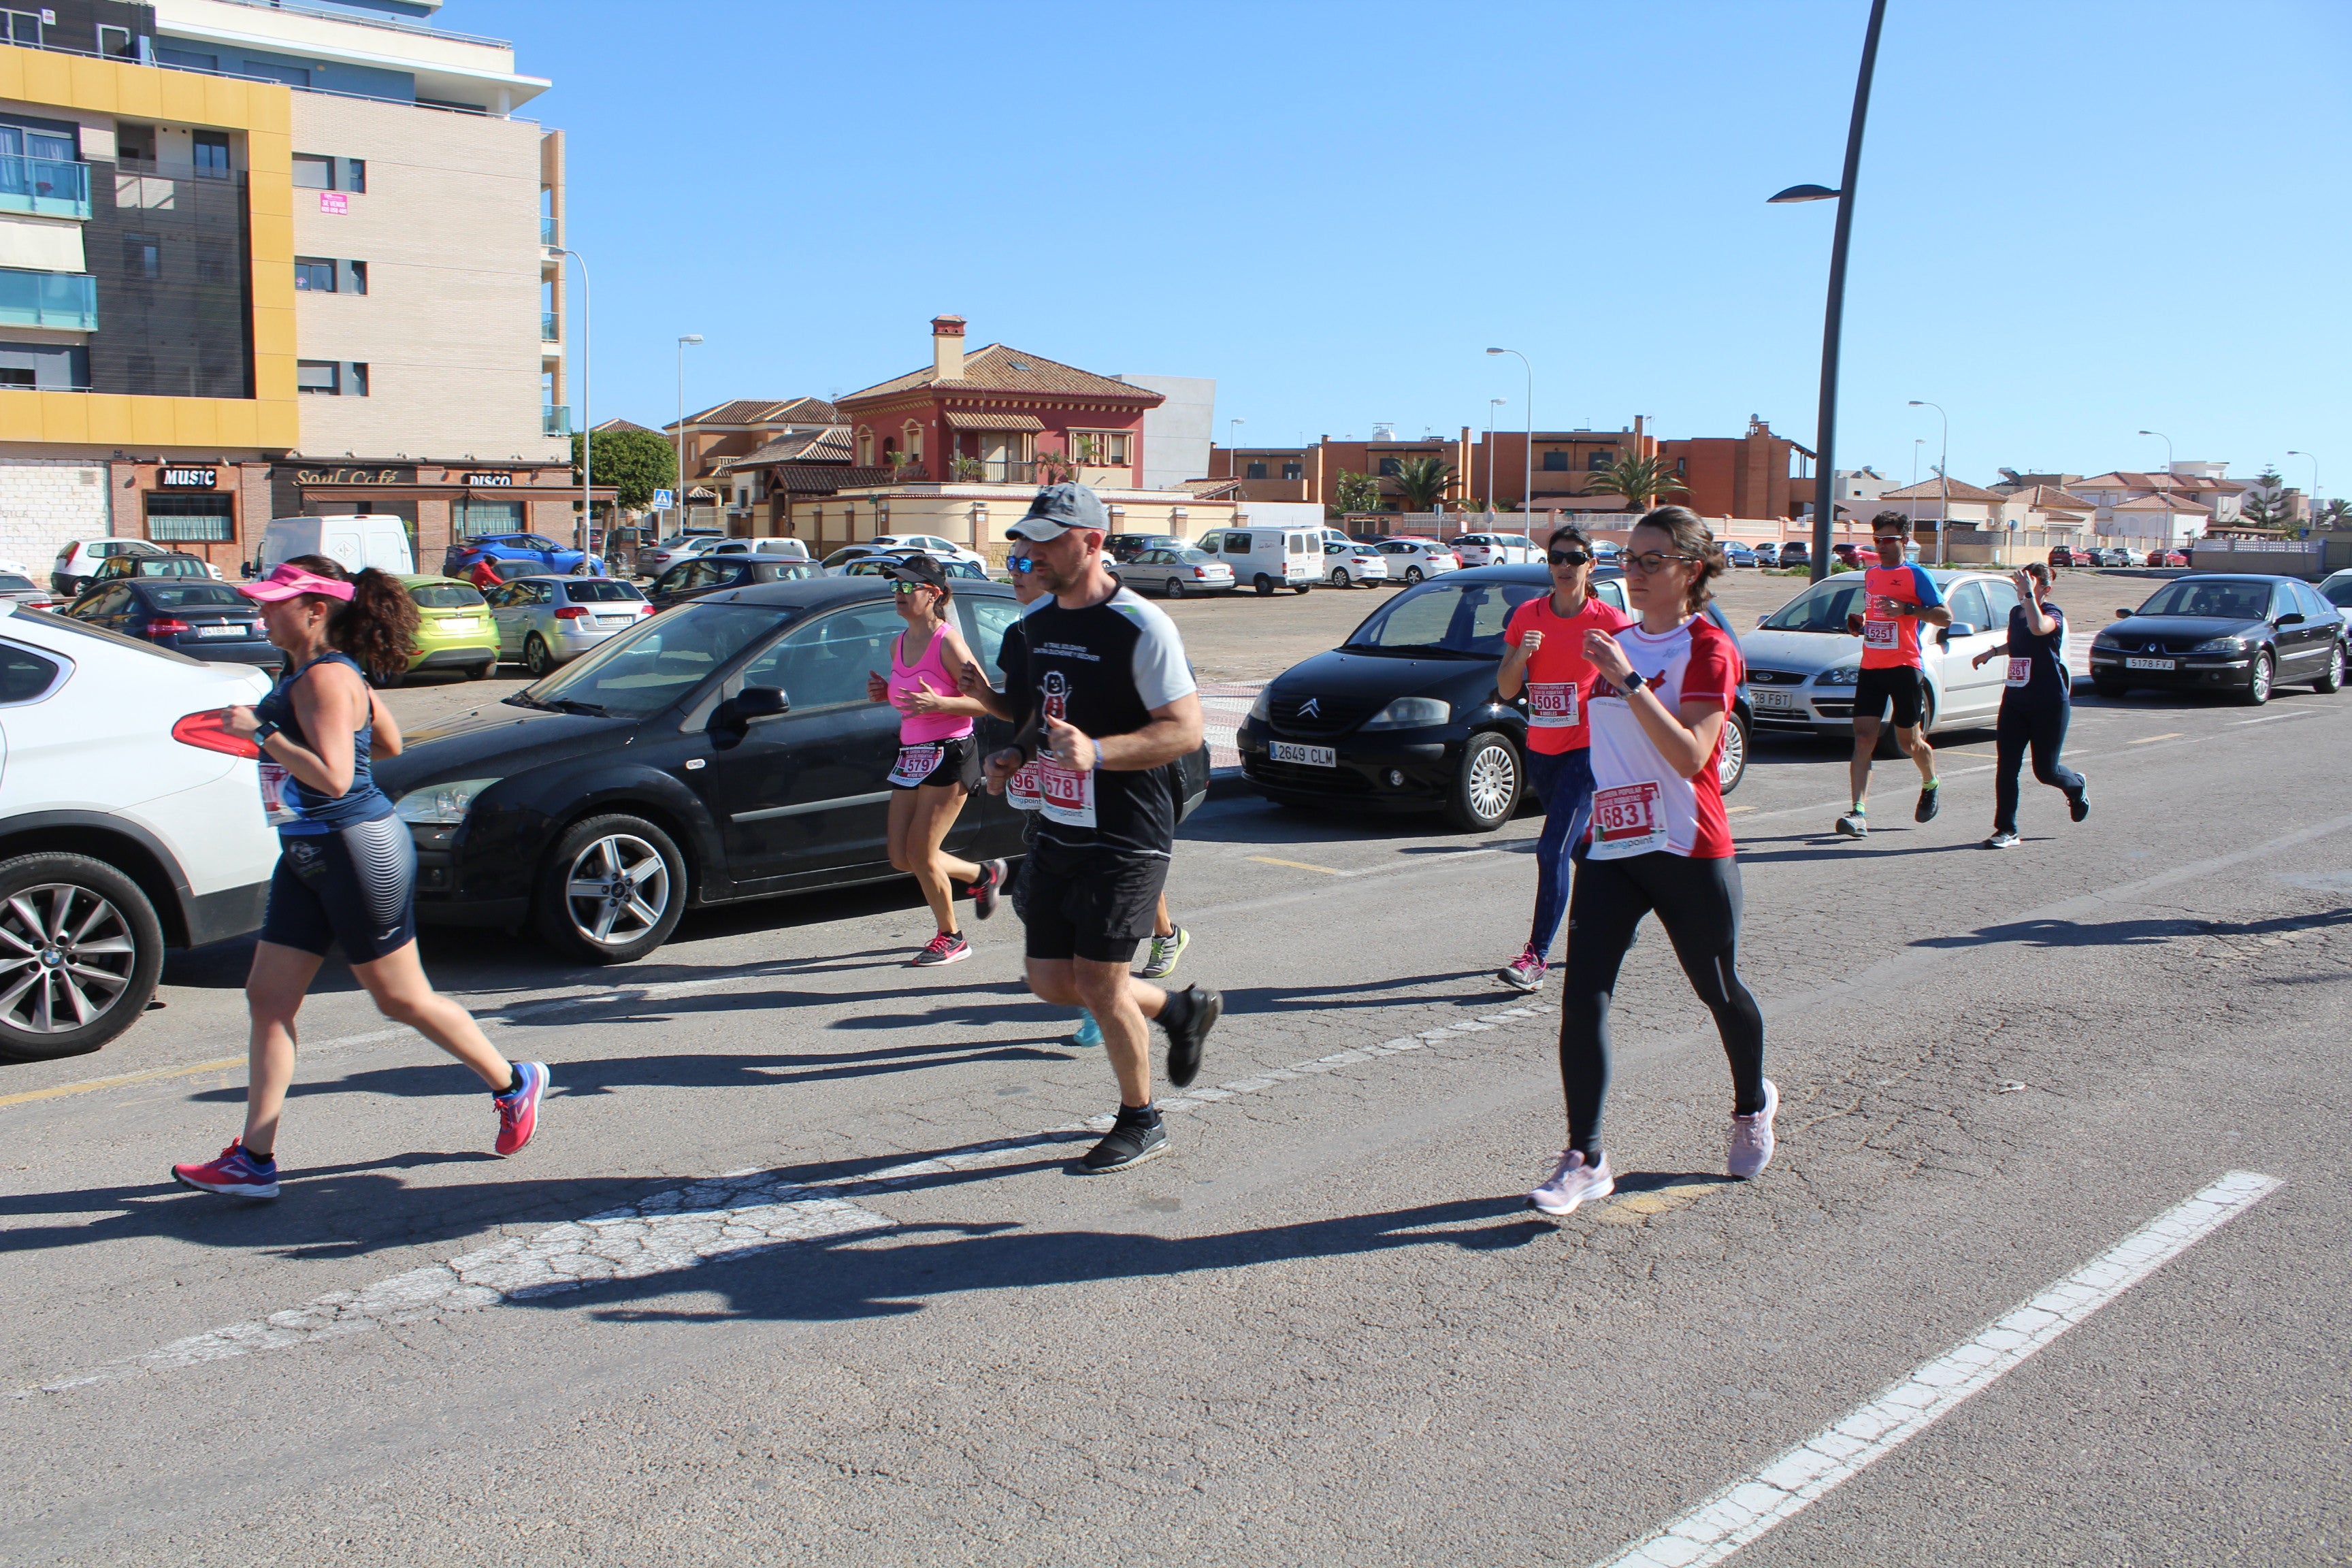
(1574, 1182)
(1750, 1148)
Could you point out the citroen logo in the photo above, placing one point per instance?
(1308, 710)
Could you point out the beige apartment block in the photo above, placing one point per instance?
(449, 329)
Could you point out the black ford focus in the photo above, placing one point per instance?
(722, 750)
(1404, 717)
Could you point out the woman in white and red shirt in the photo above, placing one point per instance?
(1659, 842)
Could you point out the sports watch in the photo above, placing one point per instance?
(263, 731)
(1634, 682)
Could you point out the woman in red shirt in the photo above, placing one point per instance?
(1660, 841)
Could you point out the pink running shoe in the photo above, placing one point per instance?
(1573, 1184)
(1526, 971)
(518, 1111)
(947, 947)
(1748, 1148)
(235, 1175)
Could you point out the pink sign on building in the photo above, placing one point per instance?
(334, 202)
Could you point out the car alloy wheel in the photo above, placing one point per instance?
(80, 950)
(1412, 573)
(1175, 589)
(1731, 762)
(535, 657)
(1487, 786)
(2258, 681)
(2332, 678)
(616, 891)
(584, 569)
(1339, 577)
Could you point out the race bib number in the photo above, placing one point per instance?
(276, 808)
(1880, 634)
(1068, 795)
(916, 764)
(1021, 791)
(1626, 821)
(2021, 672)
(1551, 704)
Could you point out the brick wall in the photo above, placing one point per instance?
(47, 502)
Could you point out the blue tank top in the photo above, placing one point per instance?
(315, 812)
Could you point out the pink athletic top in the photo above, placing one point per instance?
(928, 673)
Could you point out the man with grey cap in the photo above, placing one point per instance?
(1110, 703)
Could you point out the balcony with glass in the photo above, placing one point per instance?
(551, 327)
(47, 187)
(65, 300)
(546, 229)
(555, 420)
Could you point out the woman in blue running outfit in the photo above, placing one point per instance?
(2036, 702)
(346, 868)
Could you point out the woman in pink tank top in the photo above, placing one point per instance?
(935, 752)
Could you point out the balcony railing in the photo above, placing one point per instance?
(67, 300)
(555, 420)
(547, 230)
(47, 187)
(550, 327)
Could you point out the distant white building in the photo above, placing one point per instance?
(1178, 434)
(1860, 486)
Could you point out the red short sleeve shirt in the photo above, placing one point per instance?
(1559, 678)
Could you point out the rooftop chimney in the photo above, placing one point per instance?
(947, 348)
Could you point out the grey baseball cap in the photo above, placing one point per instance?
(1057, 508)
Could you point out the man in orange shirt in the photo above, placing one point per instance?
(1896, 597)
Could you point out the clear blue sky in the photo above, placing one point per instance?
(2078, 217)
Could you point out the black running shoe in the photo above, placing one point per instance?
(2078, 805)
(1931, 801)
(1189, 1016)
(985, 890)
(1129, 1142)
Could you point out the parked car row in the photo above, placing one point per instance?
(2114, 555)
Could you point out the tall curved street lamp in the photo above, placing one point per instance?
(1944, 473)
(1233, 435)
(2315, 479)
(1527, 480)
(1834, 317)
(2168, 446)
(1492, 405)
(683, 342)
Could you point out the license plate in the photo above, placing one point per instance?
(225, 629)
(1313, 756)
(462, 624)
(614, 620)
(2149, 664)
(1762, 698)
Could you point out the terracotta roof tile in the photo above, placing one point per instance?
(766, 411)
(823, 478)
(830, 444)
(998, 368)
(1933, 490)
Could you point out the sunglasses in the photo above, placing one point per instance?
(1567, 558)
(903, 588)
(1020, 563)
(1650, 562)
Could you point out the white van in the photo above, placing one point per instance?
(358, 540)
(1270, 557)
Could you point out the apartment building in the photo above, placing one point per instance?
(263, 259)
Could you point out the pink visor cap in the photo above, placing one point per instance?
(290, 581)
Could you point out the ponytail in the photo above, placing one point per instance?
(378, 628)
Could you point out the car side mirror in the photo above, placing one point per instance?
(1762, 619)
(2292, 618)
(1957, 629)
(734, 716)
(2121, 614)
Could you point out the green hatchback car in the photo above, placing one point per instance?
(454, 629)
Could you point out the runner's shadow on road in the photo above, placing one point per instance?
(2050, 934)
(1832, 849)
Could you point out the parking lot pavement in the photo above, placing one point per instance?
(796, 1258)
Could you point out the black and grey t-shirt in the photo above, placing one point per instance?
(1104, 670)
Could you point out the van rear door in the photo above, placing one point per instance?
(1302, 557)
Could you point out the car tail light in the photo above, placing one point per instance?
(571, 612)
(208, 731)
(1199, 571)
(645, 609)
(166, 626)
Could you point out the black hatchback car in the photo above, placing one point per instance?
(1405, 716)
(2245, 636)
(707, 574)
(206, 620)
(722, 750)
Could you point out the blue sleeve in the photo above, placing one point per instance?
(1923, 587)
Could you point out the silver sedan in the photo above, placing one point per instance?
(548, 621)
(1176, 573)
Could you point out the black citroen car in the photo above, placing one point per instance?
(1404, 717)
(2244, 636)
(722, 750)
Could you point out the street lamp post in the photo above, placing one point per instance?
(2315, 480)
(682, 343)
(1944, 473)
(1232, 452)
(2168, 446)
(1528, 480)
(587, 430)
(1834, 317)
(1492, 404)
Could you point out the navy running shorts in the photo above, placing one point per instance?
(354, 886)
(1900, 686)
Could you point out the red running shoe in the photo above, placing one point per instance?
(518, 1111)
(235, 1175)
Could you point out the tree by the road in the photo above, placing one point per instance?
(1356, 493)
(2265, 504)
(636, 463)
(1640, 480)
(2334, 514)
(1423, 482)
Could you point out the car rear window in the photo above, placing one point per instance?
(445, 596)
(599, 591)
(192, 595)
(44, 619)
(12, 583)
(23, 674)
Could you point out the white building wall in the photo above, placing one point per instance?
(1178, 434)
(47, 502)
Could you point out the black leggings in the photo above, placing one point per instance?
(1698, 903)
(2044, 728)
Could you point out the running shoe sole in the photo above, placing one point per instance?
(1519, 979)
(1184, 1051)
(1593, 1194)
(1852, 829)
(2079, 807)
(985, 891)
(1771, 1111)
(225, 1189)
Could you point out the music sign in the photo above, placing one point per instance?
(187, 479)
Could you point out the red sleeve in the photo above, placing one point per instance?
(1714, 670)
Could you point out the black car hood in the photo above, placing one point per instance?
(1380, 677)
(499, 739)
(2185, 627)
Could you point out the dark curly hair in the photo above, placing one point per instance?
(378, 628)
(1694, 539)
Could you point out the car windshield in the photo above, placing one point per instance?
(2339, 590)
(2214, 600)
(644, 671)
(12, 583)
(1822, 607)
(188, 596)
(599, 591)
(1462, 620)
(445, 596)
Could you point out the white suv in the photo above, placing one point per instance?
(931, 545)
(129, 822)
(1411, 560)
(78, 562)
(1497, 550)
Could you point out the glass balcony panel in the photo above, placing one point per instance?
(68, 301)
(550, 327)
(546, 230)
(44, 187)
(556, 419)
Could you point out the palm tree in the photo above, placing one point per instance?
(1423, 482)
(1640, 480)
(2334, 514)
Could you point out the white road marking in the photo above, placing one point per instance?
(2274, 718)
(1779, 1490)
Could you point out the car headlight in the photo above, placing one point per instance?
(1844, 675)
(442, 805)
(1263, 708)
(1411, 713)
(2220, 645)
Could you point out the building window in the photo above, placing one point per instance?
(191, 520)
(142, 255)
(1294, 470)
(23, 29)
(13, 376)
(476, 518)
(319, 375)
(1555, 462)
(1254, 471)
(313, 276)
(1597, 461)
(913, 446)
(313, 173)
(355, 276)
(865, 448)
(355, 379)
(212, 156)
(1390, 468)
(115, 44)
(1100, 448)
(355, 174)
(186, 59)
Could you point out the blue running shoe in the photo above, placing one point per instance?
(1089, 1033)
(235, 1175)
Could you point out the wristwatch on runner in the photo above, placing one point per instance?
(1634, 682)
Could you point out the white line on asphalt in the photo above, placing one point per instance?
(2274, 718)
(1777, 1491)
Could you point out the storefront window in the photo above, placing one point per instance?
(476, 518)
(192, 519)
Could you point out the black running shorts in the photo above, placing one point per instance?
(1090, 903)
(1901, 685)
(959, 764)
(354, 886)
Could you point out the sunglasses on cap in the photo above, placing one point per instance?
(1567, 557)
(1020, 563)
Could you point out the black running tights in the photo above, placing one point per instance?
(1698, 903)
(2043, 728)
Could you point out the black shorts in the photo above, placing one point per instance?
(352, 886)
(1902, 685)
(959, 761)
(1090, 903)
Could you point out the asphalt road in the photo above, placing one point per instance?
(1323, 1330)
